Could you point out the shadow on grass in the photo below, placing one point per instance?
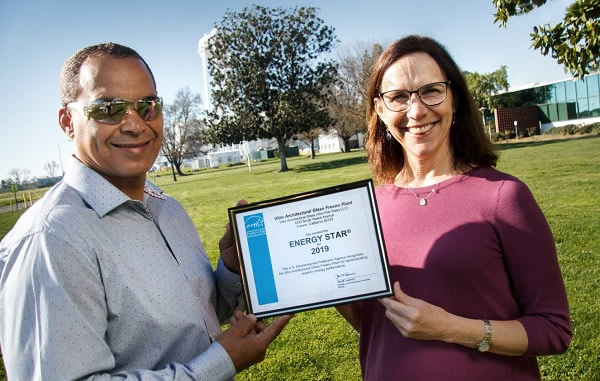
(330, 164)
(504, 146)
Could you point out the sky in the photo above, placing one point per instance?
(36, 37)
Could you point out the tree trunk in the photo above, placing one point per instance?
(346, 144)
(178, 167)
(281, 144)
(312, 148)
(173, 172)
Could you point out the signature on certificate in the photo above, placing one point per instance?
(338, 276)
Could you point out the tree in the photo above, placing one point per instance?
(574, 42)
(309, 137)
(355, 69)
(349, 101)
(51, 167)
(183, 135)
(267, 79)
(19, 176)
(526, 97)
(484, 86)
(348, 122)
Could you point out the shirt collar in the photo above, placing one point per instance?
(100, 194)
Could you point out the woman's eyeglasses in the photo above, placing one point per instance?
(114, 110)
(400, 100)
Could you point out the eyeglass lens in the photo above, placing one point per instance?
(431, 95)
(113, 112)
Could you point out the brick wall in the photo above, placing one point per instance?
(526, 117)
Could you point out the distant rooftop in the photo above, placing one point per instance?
(536, 84)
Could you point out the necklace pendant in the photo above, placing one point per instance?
(422, 202)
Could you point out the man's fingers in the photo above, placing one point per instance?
(274, 329)
(259, 326)
(245, 324)
(235, 318)
(226, 240)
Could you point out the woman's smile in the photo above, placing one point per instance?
(419, 130)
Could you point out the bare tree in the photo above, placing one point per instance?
(19, 176)
(356, 66)
(349, 102)
(347, 122)
(309, 137)
(183, 135)
(51, 167)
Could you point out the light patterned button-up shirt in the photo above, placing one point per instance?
(93, 283)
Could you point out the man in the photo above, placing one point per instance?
(106, 276)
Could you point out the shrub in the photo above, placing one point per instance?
(498, 137)
(531, 131)
(571, 129)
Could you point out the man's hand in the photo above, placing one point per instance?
(247, 339)
(229, 254)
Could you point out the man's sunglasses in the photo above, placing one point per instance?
(114, 110)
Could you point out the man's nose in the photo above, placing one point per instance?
(132, 122)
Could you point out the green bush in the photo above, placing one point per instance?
(531, 131)
(572, 129)
(498, 137)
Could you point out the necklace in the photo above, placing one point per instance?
(423, 200)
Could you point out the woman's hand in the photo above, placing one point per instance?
(416, 318)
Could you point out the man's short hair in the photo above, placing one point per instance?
(69, 75)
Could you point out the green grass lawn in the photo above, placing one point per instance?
(8, 198)
(563, 175)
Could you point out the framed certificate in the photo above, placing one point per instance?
(311, 250)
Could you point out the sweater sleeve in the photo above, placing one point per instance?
(532, 265)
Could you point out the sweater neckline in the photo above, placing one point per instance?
(437, 186)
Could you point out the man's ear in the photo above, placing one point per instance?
(65, 122)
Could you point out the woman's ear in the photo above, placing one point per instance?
(66, 122)
(379, 108)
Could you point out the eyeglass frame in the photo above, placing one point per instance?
(87, 107)
(410, 93)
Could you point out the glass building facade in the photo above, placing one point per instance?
(559, 101)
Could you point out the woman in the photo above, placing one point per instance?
(477, 287)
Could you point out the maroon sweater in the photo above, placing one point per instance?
(480, 248)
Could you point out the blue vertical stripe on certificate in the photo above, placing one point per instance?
(260, 258)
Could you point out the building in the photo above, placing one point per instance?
(331, 142)
(546, 105)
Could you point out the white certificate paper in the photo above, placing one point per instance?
(312, 250)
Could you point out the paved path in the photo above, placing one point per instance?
(5, 209)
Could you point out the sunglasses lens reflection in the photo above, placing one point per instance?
(148, 109)
(113, 112)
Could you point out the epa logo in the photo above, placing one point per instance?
(254, 224)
